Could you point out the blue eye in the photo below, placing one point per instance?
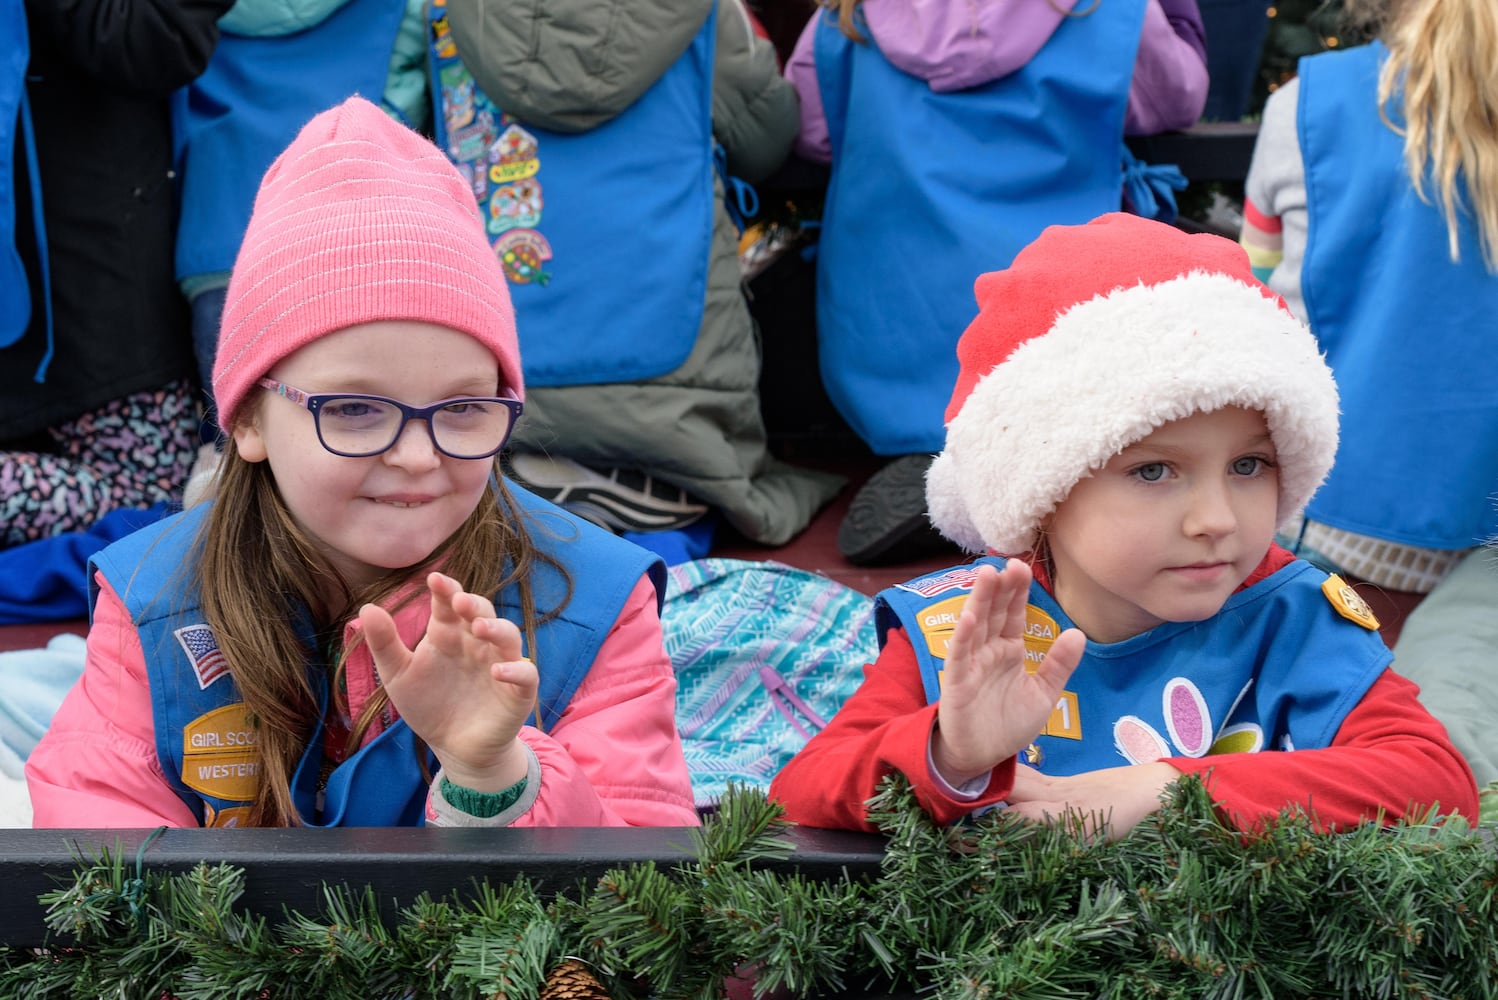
(348, 408)
(1152, 472)
(1248, 465)
(356, 413)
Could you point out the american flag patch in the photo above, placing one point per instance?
(202, 651)
(953, 579)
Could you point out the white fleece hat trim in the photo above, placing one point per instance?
(1110, 371)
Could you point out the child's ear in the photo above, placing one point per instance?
(248, 440)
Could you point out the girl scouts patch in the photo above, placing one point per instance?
(1190, 726)
(514, 155)
(1347, 602)
(522, 252)
(218, 754)
(515, 206)
(228, 817)
(469, 144)
(500, 159)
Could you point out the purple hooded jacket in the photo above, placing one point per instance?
(954, 46)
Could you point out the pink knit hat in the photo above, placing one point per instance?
(1095, 336)
(360, 219)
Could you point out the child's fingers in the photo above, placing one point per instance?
(1063, 656)
(501, 633)
(995, 609)
(384, 642)
(473, 607)
(1014, 593)
(973, 627)
(519, 671)
(971, 631)
(443, 589)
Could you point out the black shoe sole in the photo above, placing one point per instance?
(887, 523)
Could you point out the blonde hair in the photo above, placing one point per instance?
(1441, 61)
(258, 574)
(845, 10)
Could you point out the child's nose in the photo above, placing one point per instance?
(1210, 510)
(414, 447)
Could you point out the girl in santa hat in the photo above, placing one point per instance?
(1134, 417)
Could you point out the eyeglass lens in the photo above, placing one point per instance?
(358, 425)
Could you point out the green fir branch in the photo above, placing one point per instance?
(994, 907)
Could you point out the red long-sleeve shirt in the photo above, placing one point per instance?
(1389, 756)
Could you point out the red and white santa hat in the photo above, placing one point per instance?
(1096, 335)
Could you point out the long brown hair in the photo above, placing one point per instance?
(1442, 75)
(258, 576)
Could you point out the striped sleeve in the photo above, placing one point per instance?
(1263, 237)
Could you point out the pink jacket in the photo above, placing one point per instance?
(613, 759)
(956, 46)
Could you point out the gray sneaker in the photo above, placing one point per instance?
(618, 499)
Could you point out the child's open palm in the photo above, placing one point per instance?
(991, 705)
(465, 688)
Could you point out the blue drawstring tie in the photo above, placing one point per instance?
(740, 198)
(1149, 188)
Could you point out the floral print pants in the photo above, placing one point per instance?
(132, 452)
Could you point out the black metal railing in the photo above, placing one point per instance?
(286, 869)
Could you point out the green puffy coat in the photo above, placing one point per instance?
(569, 65)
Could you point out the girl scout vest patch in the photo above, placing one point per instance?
(576, 218)
(1278, 668)
(499, 158)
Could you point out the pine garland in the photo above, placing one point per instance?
(1181, 908)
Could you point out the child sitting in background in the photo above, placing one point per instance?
(1372, 197)
(956, 132)
(1134, 416)
(1372, 207)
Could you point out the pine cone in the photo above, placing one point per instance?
(571, 980)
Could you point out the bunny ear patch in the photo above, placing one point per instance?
(1187, 718)
(1138, 741)
(1245, 737)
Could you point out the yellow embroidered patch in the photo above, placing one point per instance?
(1066, 718)
(218, 754)
(231, 816)
(1040, 631)
(1347, 602)
(939, 621)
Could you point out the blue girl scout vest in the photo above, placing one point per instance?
(204, 738)
(899, 251)
(1278, 668)
(247, 106)
(1407, 331)
(604, 235)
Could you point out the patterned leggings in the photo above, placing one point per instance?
(132, 452)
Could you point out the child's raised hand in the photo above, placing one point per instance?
(465, 688)
(992, 706)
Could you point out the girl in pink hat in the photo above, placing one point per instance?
(367, 626)
(1134, 416)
